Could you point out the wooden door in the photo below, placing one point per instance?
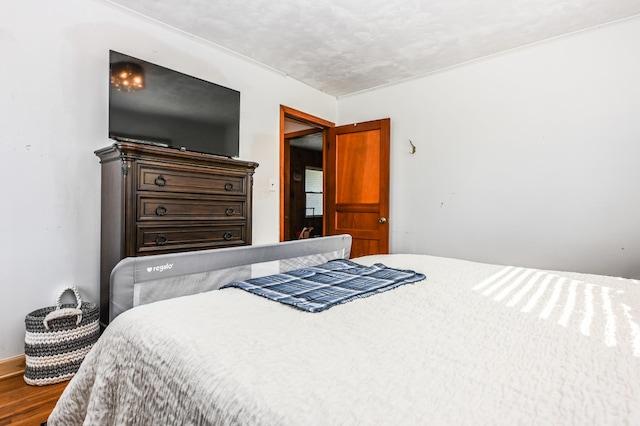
(357, 185)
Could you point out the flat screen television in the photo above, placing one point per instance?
(171, 109)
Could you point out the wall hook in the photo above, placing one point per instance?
(413, 147)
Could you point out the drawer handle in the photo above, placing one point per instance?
(161, 210)
(228, 186)
(160, 181)
(161, 240)
(227, 236)
(229, 211)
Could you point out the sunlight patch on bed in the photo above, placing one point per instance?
(570, 303)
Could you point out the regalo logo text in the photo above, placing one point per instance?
(160, 268)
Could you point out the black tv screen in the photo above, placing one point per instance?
(171, 109)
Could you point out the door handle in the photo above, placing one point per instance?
(382, 220)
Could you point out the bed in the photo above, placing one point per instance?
(473, 343)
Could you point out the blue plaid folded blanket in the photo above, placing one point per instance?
(318, 288)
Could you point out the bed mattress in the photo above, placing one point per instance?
(474, 343)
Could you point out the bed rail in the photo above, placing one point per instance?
(139, 280)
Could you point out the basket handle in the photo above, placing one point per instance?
(75, 292)
(61, 312)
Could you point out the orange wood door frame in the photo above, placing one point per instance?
(286, 112)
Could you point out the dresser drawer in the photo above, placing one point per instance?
(176, 207)
(154, 239)
(176, 179)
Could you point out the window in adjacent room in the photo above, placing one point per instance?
(313, 190)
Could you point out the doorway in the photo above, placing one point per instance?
(302, 150)
(354, 196)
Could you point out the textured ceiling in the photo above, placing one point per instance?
(346, 46)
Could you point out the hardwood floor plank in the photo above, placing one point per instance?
(12, 367)
(22, 404)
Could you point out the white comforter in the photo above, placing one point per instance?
(472, 344)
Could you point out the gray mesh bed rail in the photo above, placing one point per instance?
(140, 280)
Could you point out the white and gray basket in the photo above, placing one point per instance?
(58, 338)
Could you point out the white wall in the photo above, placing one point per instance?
(528, 158)
(53, 116)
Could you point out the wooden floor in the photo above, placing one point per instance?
(21, 404)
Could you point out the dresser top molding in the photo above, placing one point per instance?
(133, 151)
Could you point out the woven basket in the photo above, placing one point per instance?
(58, 338)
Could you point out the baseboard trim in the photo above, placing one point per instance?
(11, 367)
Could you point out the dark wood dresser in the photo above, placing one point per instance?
(160, 200)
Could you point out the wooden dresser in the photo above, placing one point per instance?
(160, 200)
